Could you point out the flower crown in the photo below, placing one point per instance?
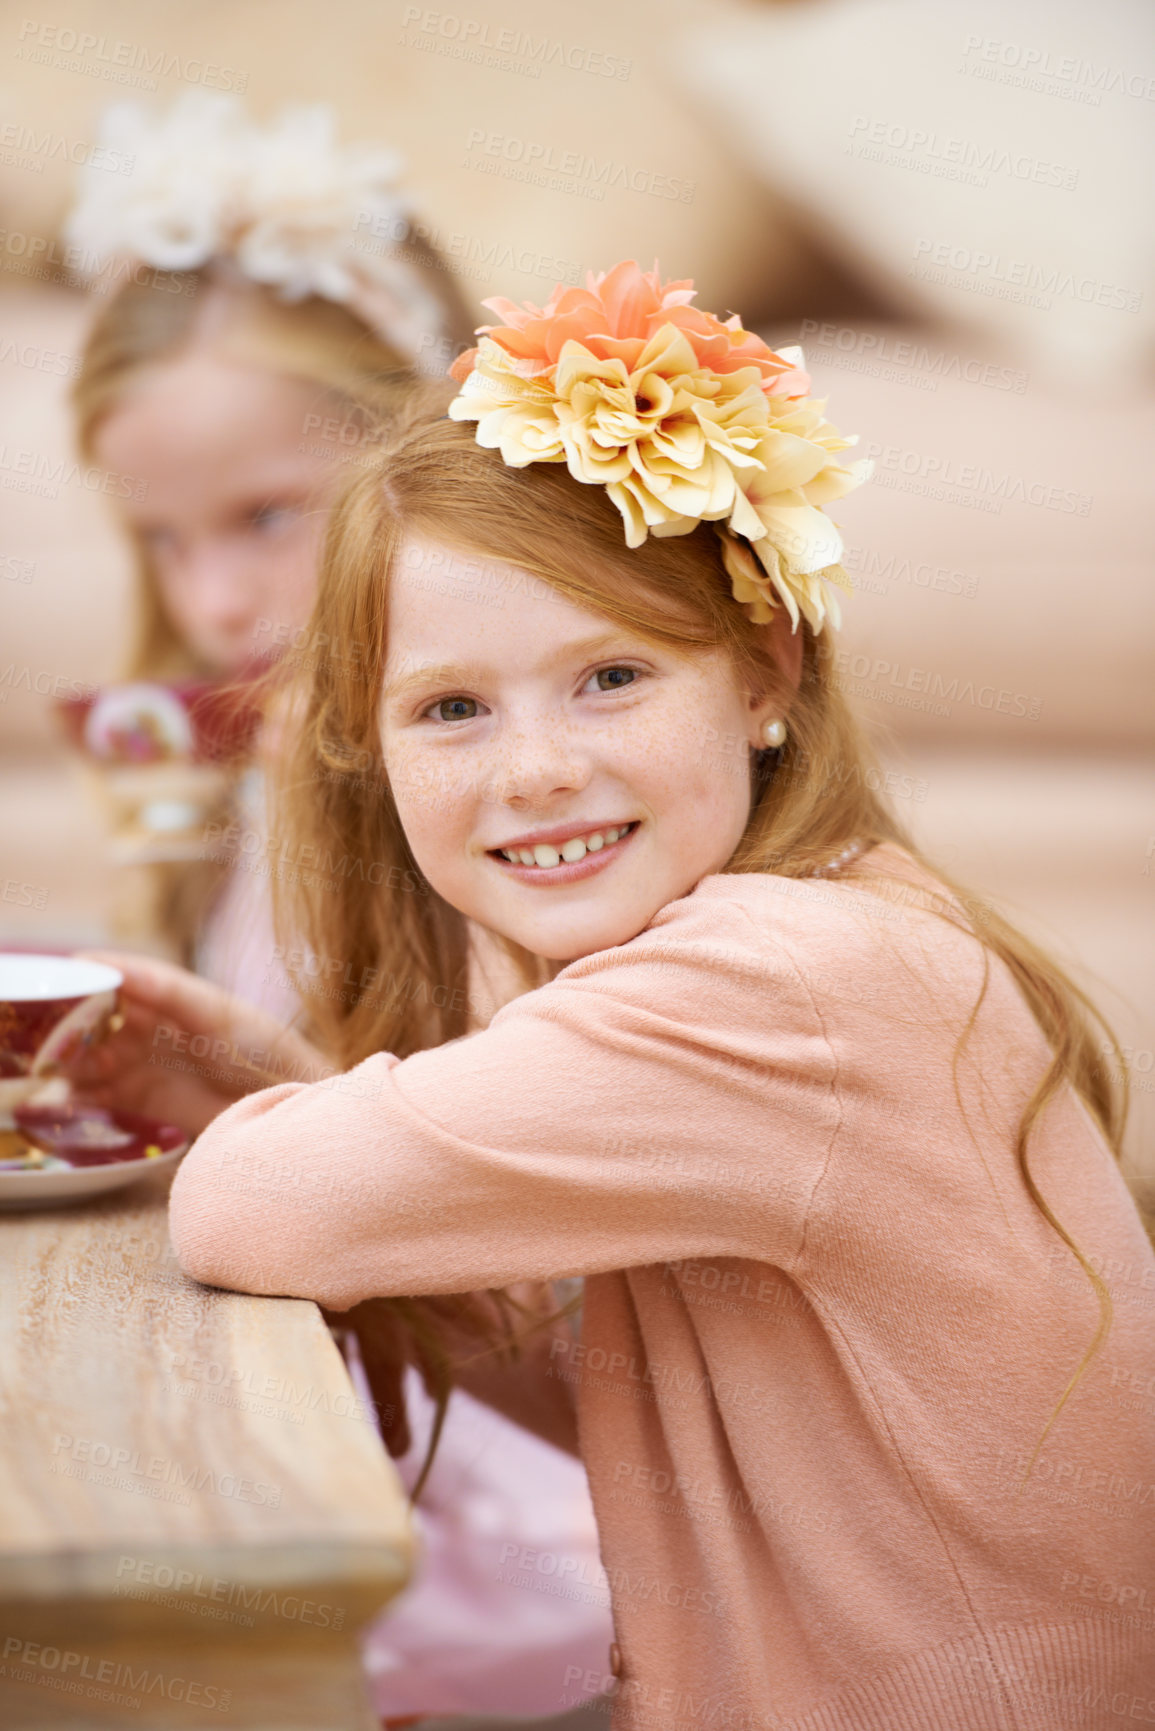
(281, 205)
(682, 417)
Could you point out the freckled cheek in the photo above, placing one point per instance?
(410, 764)
(701, 798)
(674, 756)
(654, 774)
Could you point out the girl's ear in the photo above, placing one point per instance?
(784, 647)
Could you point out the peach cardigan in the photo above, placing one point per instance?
(824, 1325)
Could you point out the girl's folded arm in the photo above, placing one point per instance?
(635, 1111)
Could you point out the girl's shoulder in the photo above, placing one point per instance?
(862, 931)
(873, 974)
(882, 948)
(883, 899)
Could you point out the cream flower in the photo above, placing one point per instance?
(682, 422)
(303, 195)
(282, 204)
(177, 205)
(665, 439)
(760, 582)
(782, 518)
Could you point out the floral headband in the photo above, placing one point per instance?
(281, 205)
(682, 417)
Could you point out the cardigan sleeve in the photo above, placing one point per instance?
(672, 1097)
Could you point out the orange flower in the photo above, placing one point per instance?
(614, 317)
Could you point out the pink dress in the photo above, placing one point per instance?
(476, 1632)
(488, 1624)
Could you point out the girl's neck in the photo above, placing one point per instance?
(495, 978)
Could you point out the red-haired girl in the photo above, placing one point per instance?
(829, 1141)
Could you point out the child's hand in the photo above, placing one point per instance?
(186, 1049)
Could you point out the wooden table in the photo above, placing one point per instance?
(197, 1513)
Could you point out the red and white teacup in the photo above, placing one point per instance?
(51, 1009)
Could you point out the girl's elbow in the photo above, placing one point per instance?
(211, 1236)
(233, 1226)
(204, 1251)
(221, 1241)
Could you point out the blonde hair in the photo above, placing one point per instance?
(400, 936)
(316, 341)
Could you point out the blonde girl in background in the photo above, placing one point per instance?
(269, 304)
(830, 1142)
(267, 299)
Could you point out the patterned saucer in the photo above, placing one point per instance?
(66, 1153)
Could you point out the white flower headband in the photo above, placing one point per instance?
(683, 418)
(281, 204)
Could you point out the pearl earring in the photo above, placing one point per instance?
(774, 733)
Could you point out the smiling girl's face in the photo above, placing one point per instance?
(558, 776)
(231, 516)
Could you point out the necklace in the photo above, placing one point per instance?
(836, 864)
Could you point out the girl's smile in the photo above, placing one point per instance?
(538, 746)
(565, 854)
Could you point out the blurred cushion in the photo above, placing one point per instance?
(983, 164)
(1001, 552)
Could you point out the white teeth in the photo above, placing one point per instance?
(545, 857)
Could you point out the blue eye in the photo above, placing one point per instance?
(613, 678)
(456, 709)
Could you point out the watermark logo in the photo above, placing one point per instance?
(538, 163)
(503, 47)
(896, 145)
(1025, 66)
(1003, 277)
(134, 64)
